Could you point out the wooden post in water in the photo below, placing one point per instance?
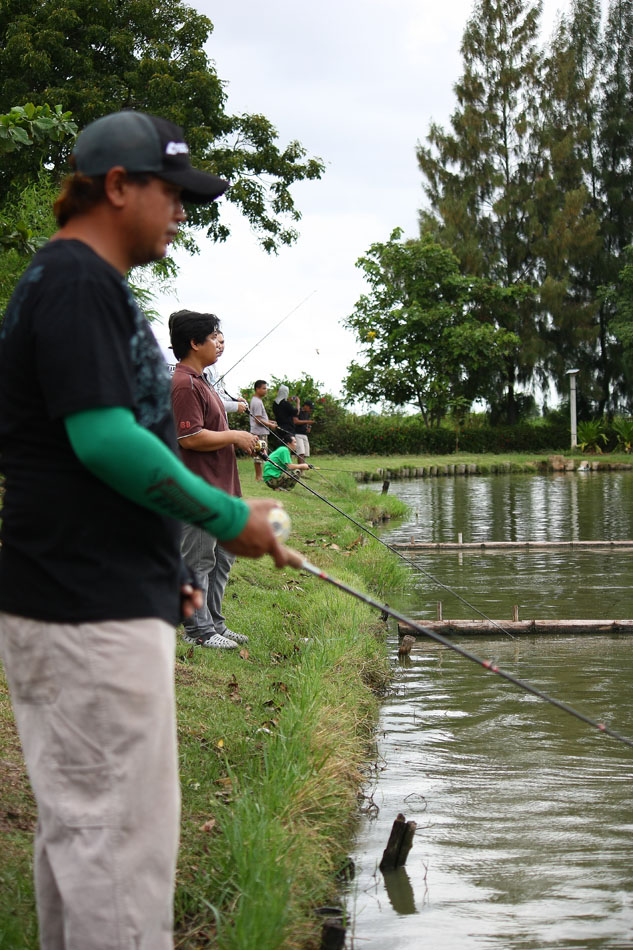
(332, 935)
(385, 486)
(515, 613)
(460, 538)
(400, 840)
(405, 645)
(439, 610)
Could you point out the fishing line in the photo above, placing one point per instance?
(362, 527)
(411, 563)
(302, 564)
(294, 310)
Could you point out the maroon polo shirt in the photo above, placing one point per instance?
(197, 406)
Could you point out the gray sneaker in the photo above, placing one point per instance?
(237, 637)
(217, 642)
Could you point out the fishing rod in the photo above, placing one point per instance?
(389, 547)
(300, 563)
(289, 314)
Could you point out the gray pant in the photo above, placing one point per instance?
(212, 564)
(94, 706)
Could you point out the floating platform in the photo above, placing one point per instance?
(492, 546)
(516, 627)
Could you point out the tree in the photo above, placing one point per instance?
(481, 177)
(26, 218)
(567, 224)
(425, 329)
(34, 128)
(616, 182)
(97, 56)
(618, 301)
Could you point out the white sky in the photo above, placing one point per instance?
(357, 82)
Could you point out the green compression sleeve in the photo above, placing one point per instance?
(134, 462)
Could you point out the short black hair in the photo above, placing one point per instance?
(259, 382)
(188, 325)
(308, 402)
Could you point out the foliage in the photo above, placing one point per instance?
(623, 428)
(98, 56)
(590, 434)
(427, 332)
(617, 299)
(25, 218)
(534, 183)
(28, 209)
(481, 176)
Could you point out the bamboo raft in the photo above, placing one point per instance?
(486, 546)
(517, 627)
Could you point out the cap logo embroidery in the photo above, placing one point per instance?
(176, 148)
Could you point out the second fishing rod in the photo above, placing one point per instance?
(389, 547)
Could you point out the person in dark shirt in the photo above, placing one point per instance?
(91, 581)
(303, 425)
(285, 411)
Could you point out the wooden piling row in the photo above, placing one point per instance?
(518, 627)
(491, 546)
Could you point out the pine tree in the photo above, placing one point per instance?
(566, 227)
(482, 176)
(615, 164)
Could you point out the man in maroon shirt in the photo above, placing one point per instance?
(207, 448)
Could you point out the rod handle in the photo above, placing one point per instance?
(295, 559)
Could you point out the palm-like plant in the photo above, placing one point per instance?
(623, 428)
(590, 434)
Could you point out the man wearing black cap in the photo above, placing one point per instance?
(303, 425)
(91, 583)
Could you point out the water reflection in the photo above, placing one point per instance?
(525, 822)
(565, 507)
(556, 584)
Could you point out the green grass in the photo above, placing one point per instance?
(487, 463)
(272, 740)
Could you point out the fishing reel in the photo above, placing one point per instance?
(280, 523)
(260, 452)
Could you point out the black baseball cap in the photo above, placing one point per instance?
(144, 143)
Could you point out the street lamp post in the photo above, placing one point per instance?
(572, 373)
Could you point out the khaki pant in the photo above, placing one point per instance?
(94, 705)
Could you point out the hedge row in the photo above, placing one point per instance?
(407, 435)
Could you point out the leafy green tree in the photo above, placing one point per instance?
(617, 299)
(481, 176)
(616, 183)
(425, 330)
(32, 128)
(26, 218)
(97, 56)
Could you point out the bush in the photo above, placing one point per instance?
(350, 434)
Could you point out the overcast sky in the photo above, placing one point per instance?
(357, 83)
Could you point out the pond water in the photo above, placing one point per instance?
(524, 815)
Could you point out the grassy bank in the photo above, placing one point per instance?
(272, 741)
(376, 467)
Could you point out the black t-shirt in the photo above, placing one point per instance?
(284, 413)
(304, 414)
(74, 550)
